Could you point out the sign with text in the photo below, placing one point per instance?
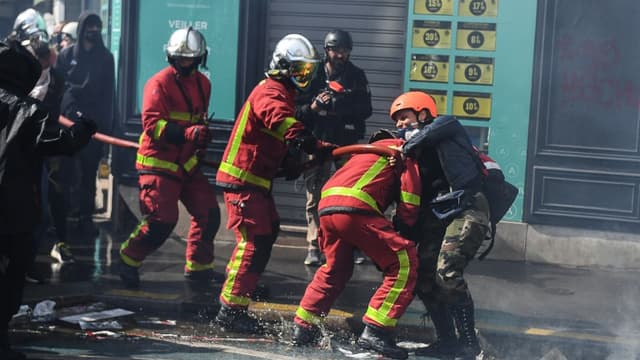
(432, 68)
(476, 36)
(488, 8)
(431, 34)
(473, 70)
(433, 7)
(472, 105)
(439, 96)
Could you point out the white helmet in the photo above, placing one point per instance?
(187, 43)
(294, 57)
(71, 30)
(30, 24)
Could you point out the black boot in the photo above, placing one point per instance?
(469, 348)
(237, 320)
(129, 275)
(446, 343)
(381, 341)
(305, 335)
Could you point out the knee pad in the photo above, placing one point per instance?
(263, 245)
(158, 232)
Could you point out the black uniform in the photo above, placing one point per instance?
(24, 140)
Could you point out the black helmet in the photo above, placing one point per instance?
(338, 39)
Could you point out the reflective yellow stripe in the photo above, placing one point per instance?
(193, 266)
(381, 315)
(126, 259)
(232, 271)
(157, 131)
(282, 128)
(237, 138)
(309, 317)
(184, 116)
(156, 163)
(191, 163)
(244, 175)
(410, 198)
(356, 193)
(371, 173)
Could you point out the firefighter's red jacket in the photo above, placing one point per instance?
(367, 183)
(171, 99)
(259, 138)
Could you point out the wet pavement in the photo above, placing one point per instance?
(524, 311)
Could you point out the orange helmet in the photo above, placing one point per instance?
(415, 100)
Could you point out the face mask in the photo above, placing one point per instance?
(407, 134)
(92, 36)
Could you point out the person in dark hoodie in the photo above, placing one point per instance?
(25, 139)
(88, 68)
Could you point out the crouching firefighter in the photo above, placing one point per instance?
(174, 136)
(265, 131)
(454, 220)
(352, 217)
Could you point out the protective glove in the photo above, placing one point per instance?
(402, 228)
(322, 101)
(198, 134)
(82, 131)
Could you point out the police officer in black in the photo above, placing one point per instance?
(334, 109)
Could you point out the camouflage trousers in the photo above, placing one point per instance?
(445, 250)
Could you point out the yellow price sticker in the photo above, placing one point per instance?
(473, 70)
(431, 68)
(433, 7)
(431, 34)
(476, 36)
(487, 8)
(472, 105)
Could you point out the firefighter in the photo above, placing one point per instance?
(175, 135)
(332, 113)
(265, 131)
(454, 220)
(352, 216)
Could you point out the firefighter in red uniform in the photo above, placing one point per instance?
(175, 134)
(351, 213)
(264, 133)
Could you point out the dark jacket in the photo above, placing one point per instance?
(344, 122)
(24, 139)
(89, 79)
(448, 139)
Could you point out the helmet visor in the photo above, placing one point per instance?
(302, 72)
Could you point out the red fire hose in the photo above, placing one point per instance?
(338, 152)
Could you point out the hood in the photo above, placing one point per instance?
(86, 17)
(19, 70)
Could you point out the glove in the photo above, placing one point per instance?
(198, 134)
(403, 229)
(82, 131)
(290, 168)
(323, 101)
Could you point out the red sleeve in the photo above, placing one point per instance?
(154, 106)
(411, 192)
(276, 108)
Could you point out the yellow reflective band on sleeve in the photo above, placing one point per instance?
(193, 266)
(156, 163)
(232, 270)
(355, 193)
(381, 315)
(237, 138)
(373, 171)
(184, 116)
(244, 175)
(308, 317)
(159, 129)
(191, 163)
(282, 128)
(409, 198)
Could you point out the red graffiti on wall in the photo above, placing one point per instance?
(589, 72)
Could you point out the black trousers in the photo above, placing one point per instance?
(83, 194)
(15, 253)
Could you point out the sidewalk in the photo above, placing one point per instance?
(518, 299)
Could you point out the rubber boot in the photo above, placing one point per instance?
(446, 344)
(305, 335)
(469, 348)
(237, 320)
(381, 341)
